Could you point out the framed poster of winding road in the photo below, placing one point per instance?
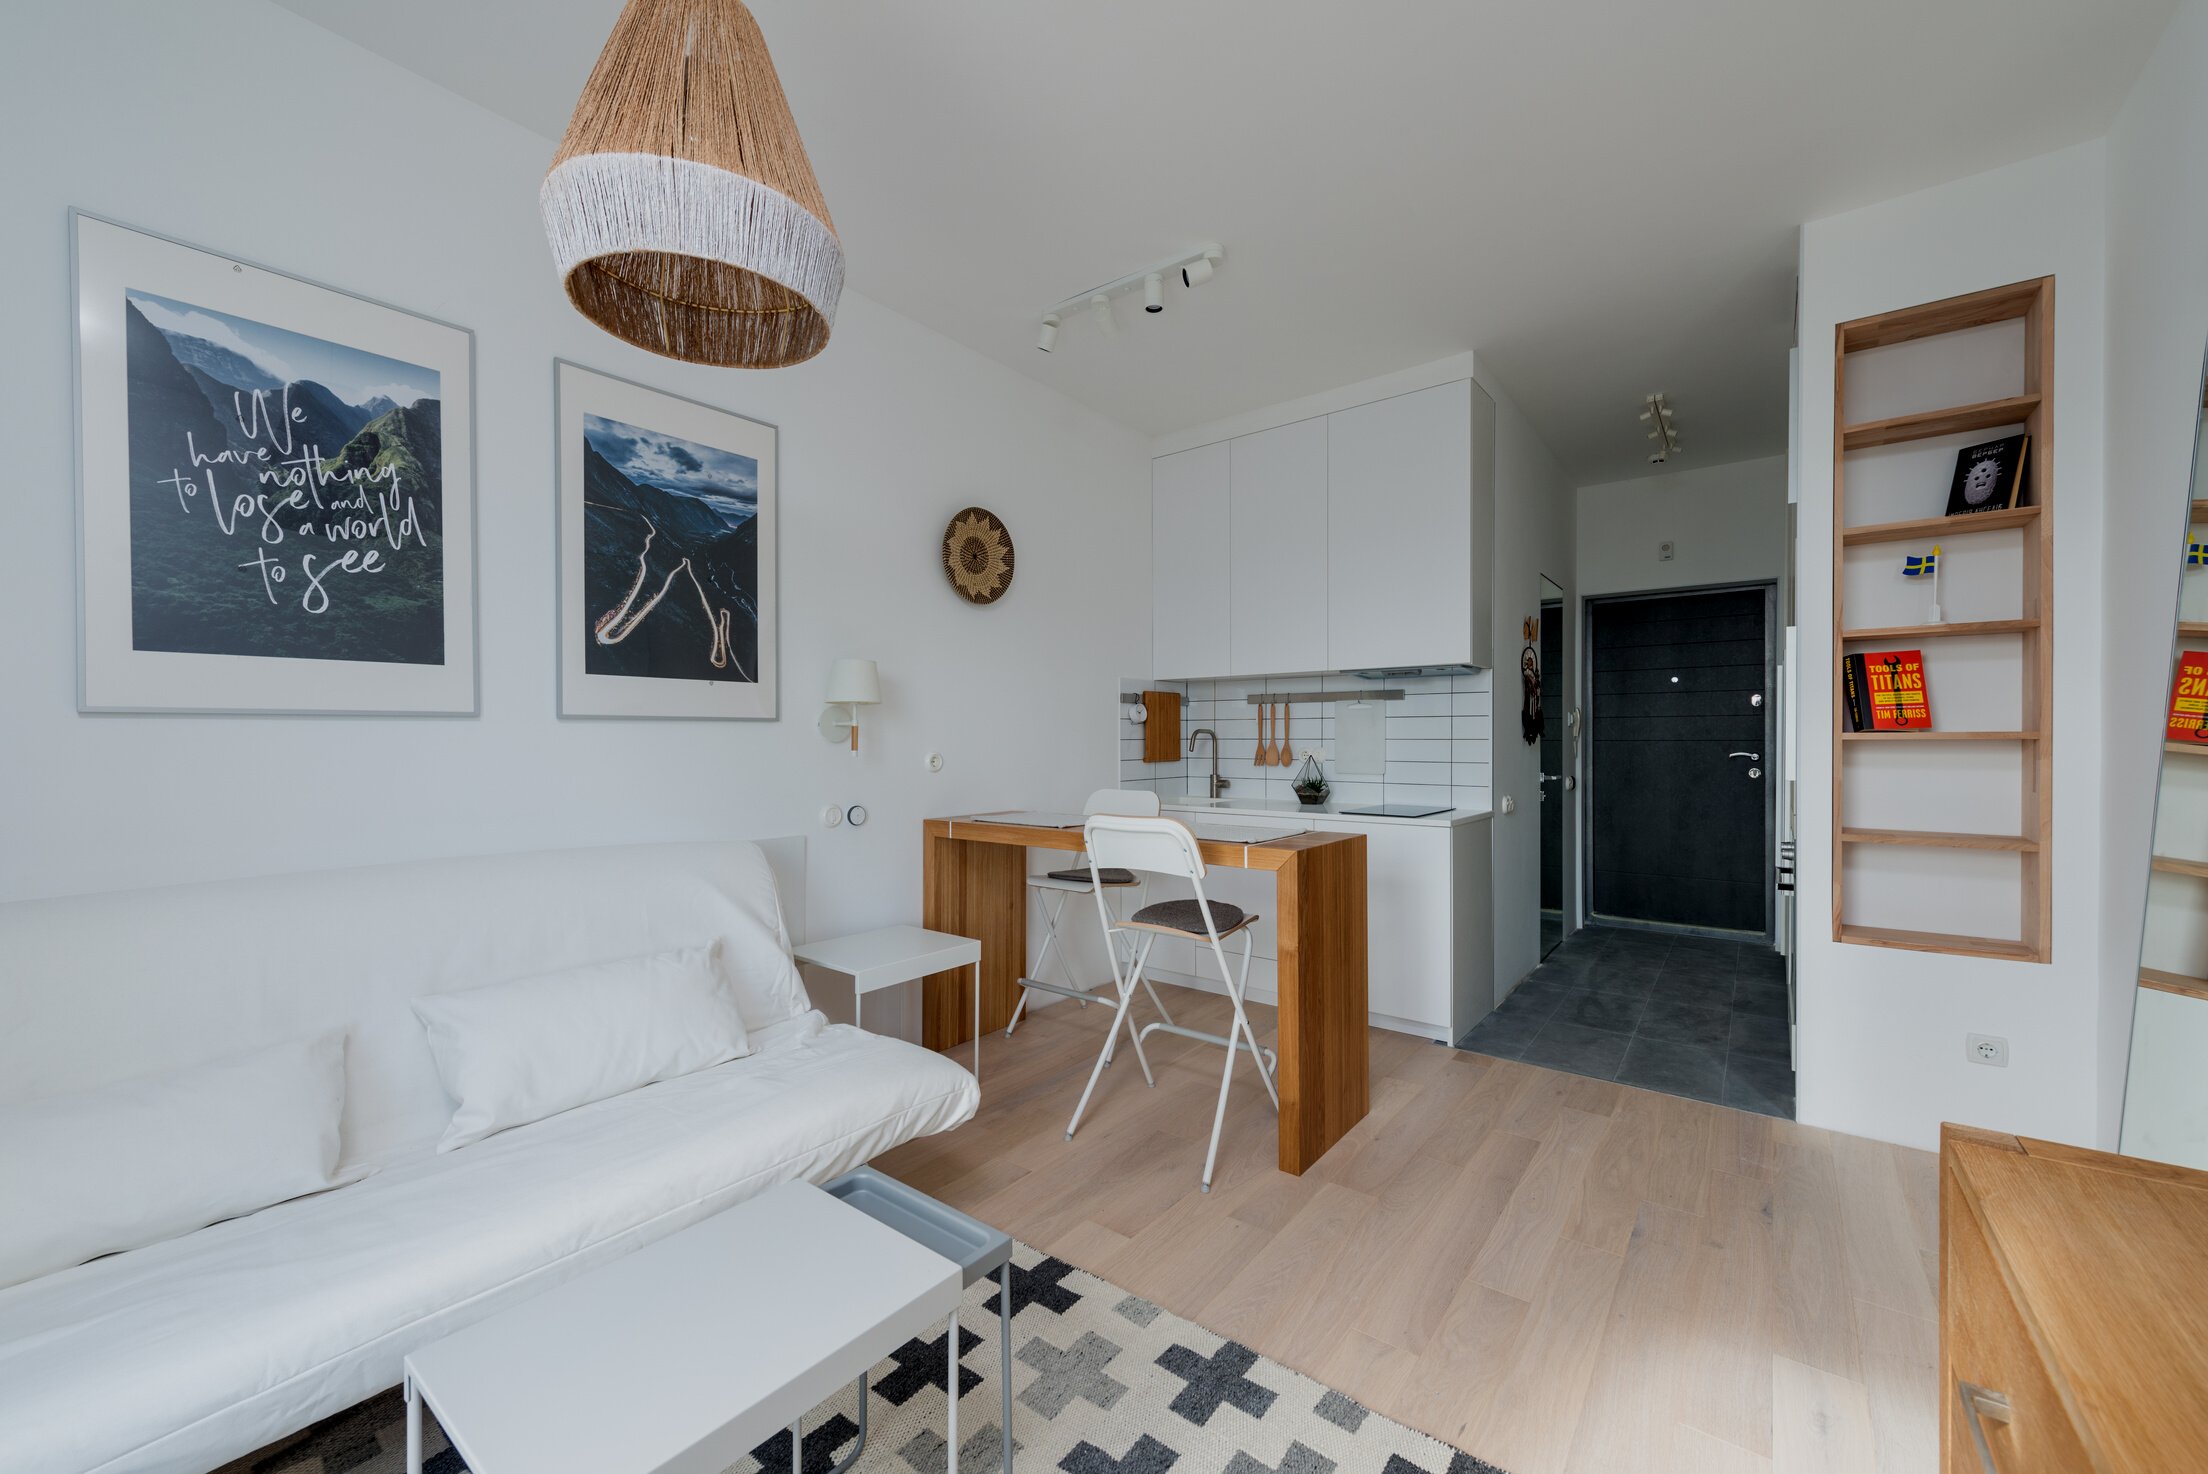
(667, 597)
(276, 490)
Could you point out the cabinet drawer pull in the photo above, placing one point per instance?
(1979, 1405)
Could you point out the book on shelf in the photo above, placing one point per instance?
(1886, 691)
(2189, 699)
(1988, 477)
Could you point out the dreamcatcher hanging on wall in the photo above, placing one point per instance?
(1529, 668)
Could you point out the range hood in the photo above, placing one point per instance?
(1407, 672)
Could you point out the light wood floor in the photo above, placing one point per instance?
(1553, 1273)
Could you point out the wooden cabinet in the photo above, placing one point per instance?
(1276, 568)
(1190, 590)
(2073, 1309)
(1356, 540)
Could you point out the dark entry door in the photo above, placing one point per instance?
(1680, 774)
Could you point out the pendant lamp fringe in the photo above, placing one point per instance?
(681, 209)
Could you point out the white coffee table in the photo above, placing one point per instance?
(684, 1356)
(874, 960)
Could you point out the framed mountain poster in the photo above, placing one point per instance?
(276, 501)
(667, 553)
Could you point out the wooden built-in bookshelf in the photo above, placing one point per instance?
(2032, 627)
(2173, 982)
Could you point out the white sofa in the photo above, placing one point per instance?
(185, 1354)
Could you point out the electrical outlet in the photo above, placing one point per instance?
(1986, 1049)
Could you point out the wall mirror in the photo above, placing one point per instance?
(2166, 1091)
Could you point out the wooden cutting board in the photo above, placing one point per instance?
(1161, 729)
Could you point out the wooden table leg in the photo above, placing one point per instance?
(1325, 1058)
(973, 890)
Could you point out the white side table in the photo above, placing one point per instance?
(874, 960)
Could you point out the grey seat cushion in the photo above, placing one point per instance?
(1110, 874)
(1186, 915)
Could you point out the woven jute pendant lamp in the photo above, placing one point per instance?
(681, 208)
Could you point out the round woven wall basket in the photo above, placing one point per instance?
(977, 556)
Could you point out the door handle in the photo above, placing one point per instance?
(1979, 1405)
(1751, 756)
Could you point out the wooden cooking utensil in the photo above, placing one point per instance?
(1259, 759)
(1287, 749)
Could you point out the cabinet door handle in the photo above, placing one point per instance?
(1980, 1404)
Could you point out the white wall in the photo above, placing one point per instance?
(235, 125)
(1533, 537)
(1882, 1030)
(2157, 329)
(1726, 524)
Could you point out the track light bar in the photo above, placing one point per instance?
(1194, 269)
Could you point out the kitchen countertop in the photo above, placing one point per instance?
(1231, 805)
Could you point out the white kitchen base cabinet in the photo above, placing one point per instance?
(1428, 909)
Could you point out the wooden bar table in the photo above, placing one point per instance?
(974, 875)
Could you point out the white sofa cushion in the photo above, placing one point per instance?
(518, 1051)
(130, 1164)
(179, 1356)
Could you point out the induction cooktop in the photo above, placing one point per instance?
(1397, 811)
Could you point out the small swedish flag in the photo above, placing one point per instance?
(2196, 553)
(1916, 567)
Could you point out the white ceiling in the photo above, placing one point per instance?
(1597, 196)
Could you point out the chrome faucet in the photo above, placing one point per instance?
(1219, 785)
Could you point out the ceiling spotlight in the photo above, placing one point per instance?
(1658, 418)
(1195, 267)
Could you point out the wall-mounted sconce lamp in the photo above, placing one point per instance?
(851, 685)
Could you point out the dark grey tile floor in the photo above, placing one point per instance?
(1692, 1016)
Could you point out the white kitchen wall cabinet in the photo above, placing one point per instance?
(1407, 577)
(1277, 539)
(1358, 540)
(1190, 587)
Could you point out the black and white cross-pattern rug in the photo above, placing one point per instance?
(1102, 1383)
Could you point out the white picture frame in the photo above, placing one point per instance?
(163, 625)
(651, 617)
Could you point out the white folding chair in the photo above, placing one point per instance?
(1166, 847)
(1078, 879)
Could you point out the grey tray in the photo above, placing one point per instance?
(976, 1248)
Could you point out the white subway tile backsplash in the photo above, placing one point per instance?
(1438, 739)
(1417, 749)
(1420, 793)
